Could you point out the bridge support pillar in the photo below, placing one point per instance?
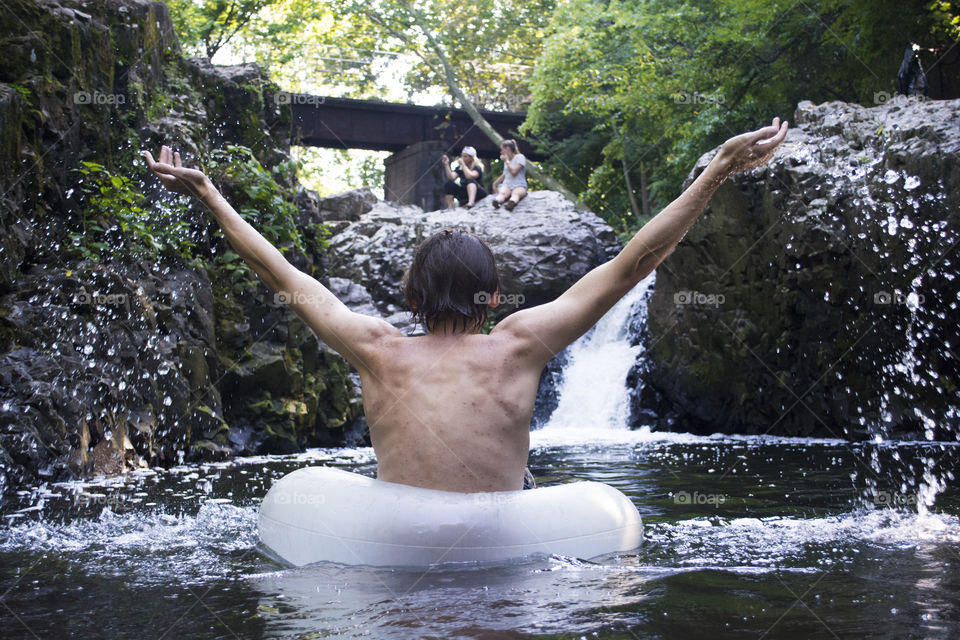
(414, 175)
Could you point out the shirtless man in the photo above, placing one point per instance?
(451, 410)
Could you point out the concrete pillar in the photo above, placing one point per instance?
(414, 175)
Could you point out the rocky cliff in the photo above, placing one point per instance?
(818, 295)
(129, 333)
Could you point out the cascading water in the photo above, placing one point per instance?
(593, 393)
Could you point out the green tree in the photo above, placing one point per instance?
(204, 27)
(643, 87)
(415, 27)
(490, 45)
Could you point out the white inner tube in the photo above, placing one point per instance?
(320, 514)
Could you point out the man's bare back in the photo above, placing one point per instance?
(451, 410)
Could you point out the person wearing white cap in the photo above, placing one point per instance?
(465, 183)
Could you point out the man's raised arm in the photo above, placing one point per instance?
(351, 334)
(548, 328)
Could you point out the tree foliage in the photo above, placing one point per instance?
(205, 27)
(654, 83)
(490, 44)
(617, 92)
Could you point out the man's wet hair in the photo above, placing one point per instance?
(452, 277)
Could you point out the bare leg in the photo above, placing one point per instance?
(471, 193)
(515, 196)
(449, 199)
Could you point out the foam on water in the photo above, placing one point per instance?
(161, 546)
(156, 545)
(776, 541)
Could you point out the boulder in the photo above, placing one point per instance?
(542, 247)
(349, 205)
(817, 295)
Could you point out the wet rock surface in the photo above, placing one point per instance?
(818, 295)
(542, 247)
(122, 361)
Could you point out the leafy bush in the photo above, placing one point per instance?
(256, 196)
(116, 223)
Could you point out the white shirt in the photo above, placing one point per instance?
(520, 179)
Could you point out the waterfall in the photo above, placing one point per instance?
(593, 393)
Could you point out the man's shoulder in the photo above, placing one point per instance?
(515, 335)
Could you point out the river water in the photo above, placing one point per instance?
(745, 537)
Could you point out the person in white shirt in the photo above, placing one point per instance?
(512, 185)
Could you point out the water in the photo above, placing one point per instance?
(745, 537)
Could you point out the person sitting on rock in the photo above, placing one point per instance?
(513, 182)
(465, 183)
(450, 410)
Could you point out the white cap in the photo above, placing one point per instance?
(470, 151)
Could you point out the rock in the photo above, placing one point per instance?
(242, 107)
(349, 205)
(548, 391)
(308, 207)
(129, 362)
(542, 247)
(359, 300)
(817, 295)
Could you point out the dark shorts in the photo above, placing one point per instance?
(459, 191)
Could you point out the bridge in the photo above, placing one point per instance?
(416, 135)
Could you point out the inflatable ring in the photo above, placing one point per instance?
(318, 514)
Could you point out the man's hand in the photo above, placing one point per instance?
(752, 149)
(178, 178)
